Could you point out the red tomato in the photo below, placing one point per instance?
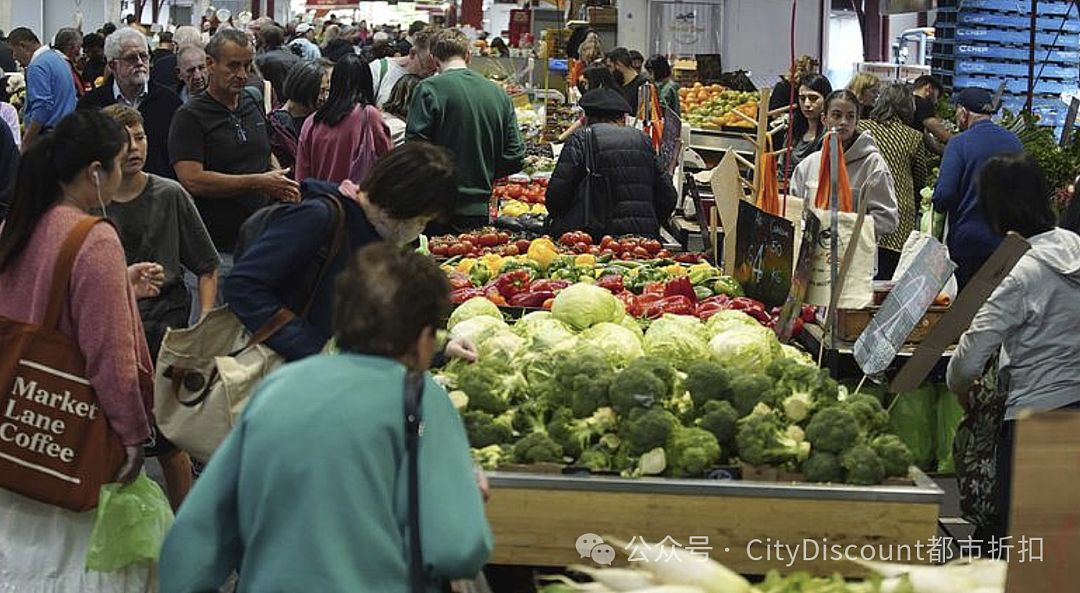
(488, 239)
(607, 241)
(469, 245)
(514, 192)
(641, 253)
(568, 238)
(523, 245)
(439, 250)
(651, 245)
(594, 250)
(627, 245)
(626, 256)
(607, 251)
(580, 247)
(457, 249)
(512, 249)
(585, 238)
(504, 237)
(663, 253)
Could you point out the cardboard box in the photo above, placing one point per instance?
(603, 15)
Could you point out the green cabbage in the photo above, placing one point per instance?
(474, 307)
(633, 325)
(745, 349)
(725, 320)
(504, 342)
(478, 329)
(678, 339)
(582, 306)
(797, 355)
(618, 343)
(542, 330)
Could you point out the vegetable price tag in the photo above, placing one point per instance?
(903, 308)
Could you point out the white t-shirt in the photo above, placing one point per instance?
(384, 84)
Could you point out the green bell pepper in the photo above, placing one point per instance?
(729, 286)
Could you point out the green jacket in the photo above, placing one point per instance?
(669, 95)
(309, 490)
(472, 117)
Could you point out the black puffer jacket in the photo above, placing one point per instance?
(643, 193)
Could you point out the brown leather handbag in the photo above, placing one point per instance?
(56, 445)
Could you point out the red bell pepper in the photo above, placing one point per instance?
(797, 329)
(674, 305)
(549, 285)
(612, 282)
(721, 299)
(706, 309)
(491, 291)
(680, 286)
(809, 313)
(459, 280)
(689, 257)
(653, 288)
(627, 299)
(751, 307)
(643, 302)
(533, 299)
(463, 294)
(512, 283)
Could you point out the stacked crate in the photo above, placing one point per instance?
(984, 43)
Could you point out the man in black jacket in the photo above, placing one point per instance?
(129, 83)
(642, 196)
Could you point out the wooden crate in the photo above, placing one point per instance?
(537, 519)
(852, 322)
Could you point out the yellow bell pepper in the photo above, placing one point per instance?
(542, 251)
(539, 209)
(493, 261)
(585, 260)
(465, 265)
(674, 270)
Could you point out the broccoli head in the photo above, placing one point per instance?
(492, 456)
(721, 419)
(823, 467)
(707, 381)
(636, 387)
(764, 440)
(574, 435)
(870, 415)
(587, 378)
(660, 368)
(597, 459)
(800, 388)
(748, 390)
(483, 429)
(537, 447)
(833, 430)
(491, 384)
(863, 466)
(691, 451)
(644, 430)
(893, 453)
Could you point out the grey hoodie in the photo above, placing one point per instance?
(1033, 317)
(868, 173)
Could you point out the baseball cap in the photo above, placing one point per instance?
(975, 100)
(302, 28)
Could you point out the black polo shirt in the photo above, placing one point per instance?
(224, 141)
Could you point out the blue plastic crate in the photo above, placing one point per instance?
(1015, 6)
(1064, 41)
(1015, 85)
(997, 52)
(1044, 23)
(1015, 69)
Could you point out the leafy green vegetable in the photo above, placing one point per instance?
(764, 440)
(748, 390)
(863, 466)
(727, 320)
(822, 466)
(479, 328)
(706, 381)
(636, 387)
(893, 453)
(691, 451)
(474, 307)
(644, 430)
(618, 343)
(582, 306)
(483, 429)
(677, 339)
(721, 419)
(542, 330)
(537, 447)
(745, 348)
(491, 385)
(833, 430)
(659, 368)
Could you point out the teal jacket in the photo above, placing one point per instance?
(309, 490)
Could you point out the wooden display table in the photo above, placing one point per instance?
(538, 518)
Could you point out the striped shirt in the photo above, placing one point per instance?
(908, 162)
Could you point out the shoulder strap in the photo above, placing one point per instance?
(383, 67)
(414, 392)
(65, 262)
(328, 250)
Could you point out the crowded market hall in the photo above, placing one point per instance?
(539, 296)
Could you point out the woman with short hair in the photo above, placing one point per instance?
(866, 87)
(306, 88)
(310, 489)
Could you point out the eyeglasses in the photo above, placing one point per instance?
(136, 58)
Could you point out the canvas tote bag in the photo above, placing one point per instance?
(206, 373)
(858, 285)
(56, 445)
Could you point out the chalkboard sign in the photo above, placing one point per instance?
(709, 69)
(811, 225)
(671, 141)
(904, 307)
(764, 246)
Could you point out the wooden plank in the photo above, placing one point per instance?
(539, 527)
(1045, 503)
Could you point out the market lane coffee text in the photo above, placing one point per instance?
(36, 431)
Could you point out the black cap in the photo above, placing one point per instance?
(604, 102)
(975, 100)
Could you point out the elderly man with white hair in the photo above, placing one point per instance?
(128, 67)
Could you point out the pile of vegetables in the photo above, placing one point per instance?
(584, 384)
(678, 571)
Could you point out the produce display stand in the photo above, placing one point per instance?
(537, 518)
(841, 357)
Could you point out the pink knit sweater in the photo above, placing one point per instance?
(101, 315)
